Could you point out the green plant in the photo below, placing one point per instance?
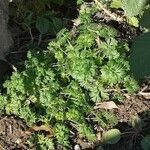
(133, 10)
(39, 15)
(112, 136)
(61, 85)
(145, 143)
(42, 142)
(139, 58)
(137, 13)
(139, 126)
(140, 129)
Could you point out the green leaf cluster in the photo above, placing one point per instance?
(145, 143)
(133, 10)
(60, 86)
(139, 58)
(131, 7)
(40, 14)
(42, 142)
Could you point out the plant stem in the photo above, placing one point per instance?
(40, 39)
(109, 13)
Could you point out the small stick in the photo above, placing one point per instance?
(40, 39)
(1, 147)
(109, 13)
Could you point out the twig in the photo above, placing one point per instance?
(109, 13)
(144, 88)
(2, 147)
(40, 39)
(30, 32)
(12, 66)
(146, 95)
(18, 52)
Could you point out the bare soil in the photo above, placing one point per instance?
(12, 133)
(135, 105)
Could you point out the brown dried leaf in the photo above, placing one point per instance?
(127, 96)
(45, 128)
(106, 105)
(145, 95)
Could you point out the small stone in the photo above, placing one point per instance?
(77, 147)
(18, 141)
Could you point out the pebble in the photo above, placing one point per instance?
(77, 147)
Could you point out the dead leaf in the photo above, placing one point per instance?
(99, 136)
(45, 128)
(146, 95)
(106, 105)
(127, 96)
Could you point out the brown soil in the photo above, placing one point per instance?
(134, 105)
(12, 133)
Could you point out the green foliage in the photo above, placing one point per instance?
(140, 56)
(137, 123)
(42, 24)
(133, 21)
(106, 119)
(79, 2)
(86, 131)
(116, 4)
(40, 14)
(60, 86)
(42, 142)
(62, 134)
(132, 7)
(145, 143)
(145, 22)
(133, 11)
(111, 136)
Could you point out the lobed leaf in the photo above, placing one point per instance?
(133, 7)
